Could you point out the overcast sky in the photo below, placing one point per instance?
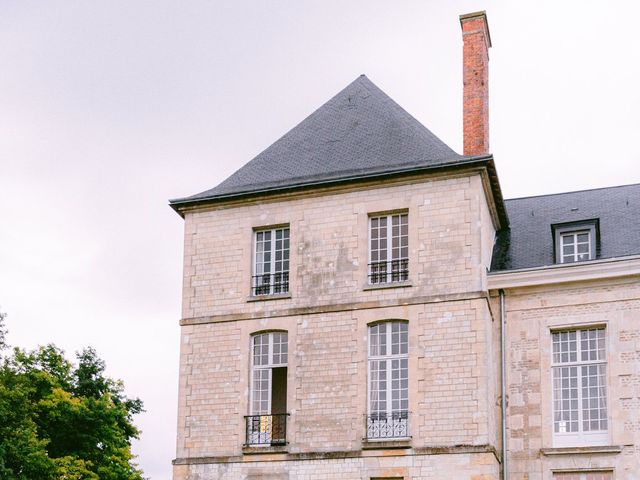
(110, 108)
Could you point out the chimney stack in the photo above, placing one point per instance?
(475, 57)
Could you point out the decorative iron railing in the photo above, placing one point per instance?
(266, 429)
(270, 283)
(387, 425)
(389, 271)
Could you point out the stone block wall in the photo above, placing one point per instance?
(390, 466)
(451, 394)
(532, 314)
(452, 362)
(450, 240)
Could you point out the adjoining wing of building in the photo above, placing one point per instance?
(360, 302)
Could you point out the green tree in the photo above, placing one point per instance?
(60, 421)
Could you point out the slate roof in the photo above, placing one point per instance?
(359, 132)
(528, 242)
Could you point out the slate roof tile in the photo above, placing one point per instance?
(360, 131)
(528, 242)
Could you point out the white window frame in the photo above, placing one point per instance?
(564, 232)
(262, 426)
(580, 437)
(575, 256)
(391, 276)
(388, 358)
(271, 287)
(269, 366)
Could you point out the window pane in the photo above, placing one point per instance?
(592, 344)
(260, 393)
(382, 338)
(378, 386)
(261, 349)
(594, 397)
(279, 348)
(565, 394)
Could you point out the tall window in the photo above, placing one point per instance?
(388, 380)
(579, 387)
(389, 248)
(271, 262)
(266, 423)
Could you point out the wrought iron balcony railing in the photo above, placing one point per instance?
(266, 429)
(389, 271)
(387, 425)
(270, 283)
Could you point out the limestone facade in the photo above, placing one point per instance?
(453, 359)
(453, 314)
(533, 314)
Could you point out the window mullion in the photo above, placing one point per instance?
(270, 368)
(272, 246)
(580, 431)
(252, 380)
(269, 389)
(389, 247)
(270, 350)
(389, 368)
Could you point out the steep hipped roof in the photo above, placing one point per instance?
(528, 242)
(360, 131)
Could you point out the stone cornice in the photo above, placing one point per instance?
(597, 450)
(575, 272)
(289, 457)
(337, 307)
(483, 164)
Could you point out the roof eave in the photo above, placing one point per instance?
(180, 204)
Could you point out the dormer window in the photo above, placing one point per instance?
(575, 242)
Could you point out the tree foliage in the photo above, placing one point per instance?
(60, 421)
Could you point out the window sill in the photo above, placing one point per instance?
(385, 443)
(581, 450)
(382, 286)
(275, 296)
(264, 449)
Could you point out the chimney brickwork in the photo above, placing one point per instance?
(477, 41)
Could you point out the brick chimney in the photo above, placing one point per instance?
(475, 57)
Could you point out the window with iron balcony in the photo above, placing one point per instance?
(388, 248)
(266, 424)
(270, 262)
(388, 410)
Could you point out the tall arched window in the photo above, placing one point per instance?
(266, 422)
(388, 409)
